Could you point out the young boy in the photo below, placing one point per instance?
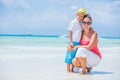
(75, 30)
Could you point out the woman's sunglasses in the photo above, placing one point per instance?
(88, 23)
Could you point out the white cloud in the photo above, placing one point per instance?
(15, 3)
(48, 17)
(117, 2)
(74, 7)
(7, 2)
(105, 13)
(51, 8)
(60, 2)
(23, 4)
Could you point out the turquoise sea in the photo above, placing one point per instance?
(49, 41)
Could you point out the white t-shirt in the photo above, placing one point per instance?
(76, 29)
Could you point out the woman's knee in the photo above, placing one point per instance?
(81, 52)
(74, 61)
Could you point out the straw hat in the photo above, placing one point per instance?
(81, 10)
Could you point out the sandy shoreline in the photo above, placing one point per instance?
(47, 63)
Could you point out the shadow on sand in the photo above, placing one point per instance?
(100, 72)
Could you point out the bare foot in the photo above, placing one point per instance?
(72, 71)
(83, 73)
(89, 70)
(68, 71)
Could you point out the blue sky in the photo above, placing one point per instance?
(52, 17)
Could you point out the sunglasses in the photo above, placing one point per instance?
(88, 23)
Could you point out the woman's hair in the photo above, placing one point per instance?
(88, 16)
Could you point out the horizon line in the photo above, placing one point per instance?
(42, 35)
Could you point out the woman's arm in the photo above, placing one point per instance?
(93, 40)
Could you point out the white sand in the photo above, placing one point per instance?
(47, 63)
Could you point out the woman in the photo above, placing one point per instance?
(88, 54)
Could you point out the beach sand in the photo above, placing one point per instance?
(47, 63)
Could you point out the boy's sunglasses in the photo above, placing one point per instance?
(88, 23)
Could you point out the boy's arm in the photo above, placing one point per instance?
(70, 38)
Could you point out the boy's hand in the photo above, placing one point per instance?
(71, 44)
(70, 49)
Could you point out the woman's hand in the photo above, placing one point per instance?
(75, 48)
(70, 49)
(71, 44)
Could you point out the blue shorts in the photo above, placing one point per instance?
(70, 55)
